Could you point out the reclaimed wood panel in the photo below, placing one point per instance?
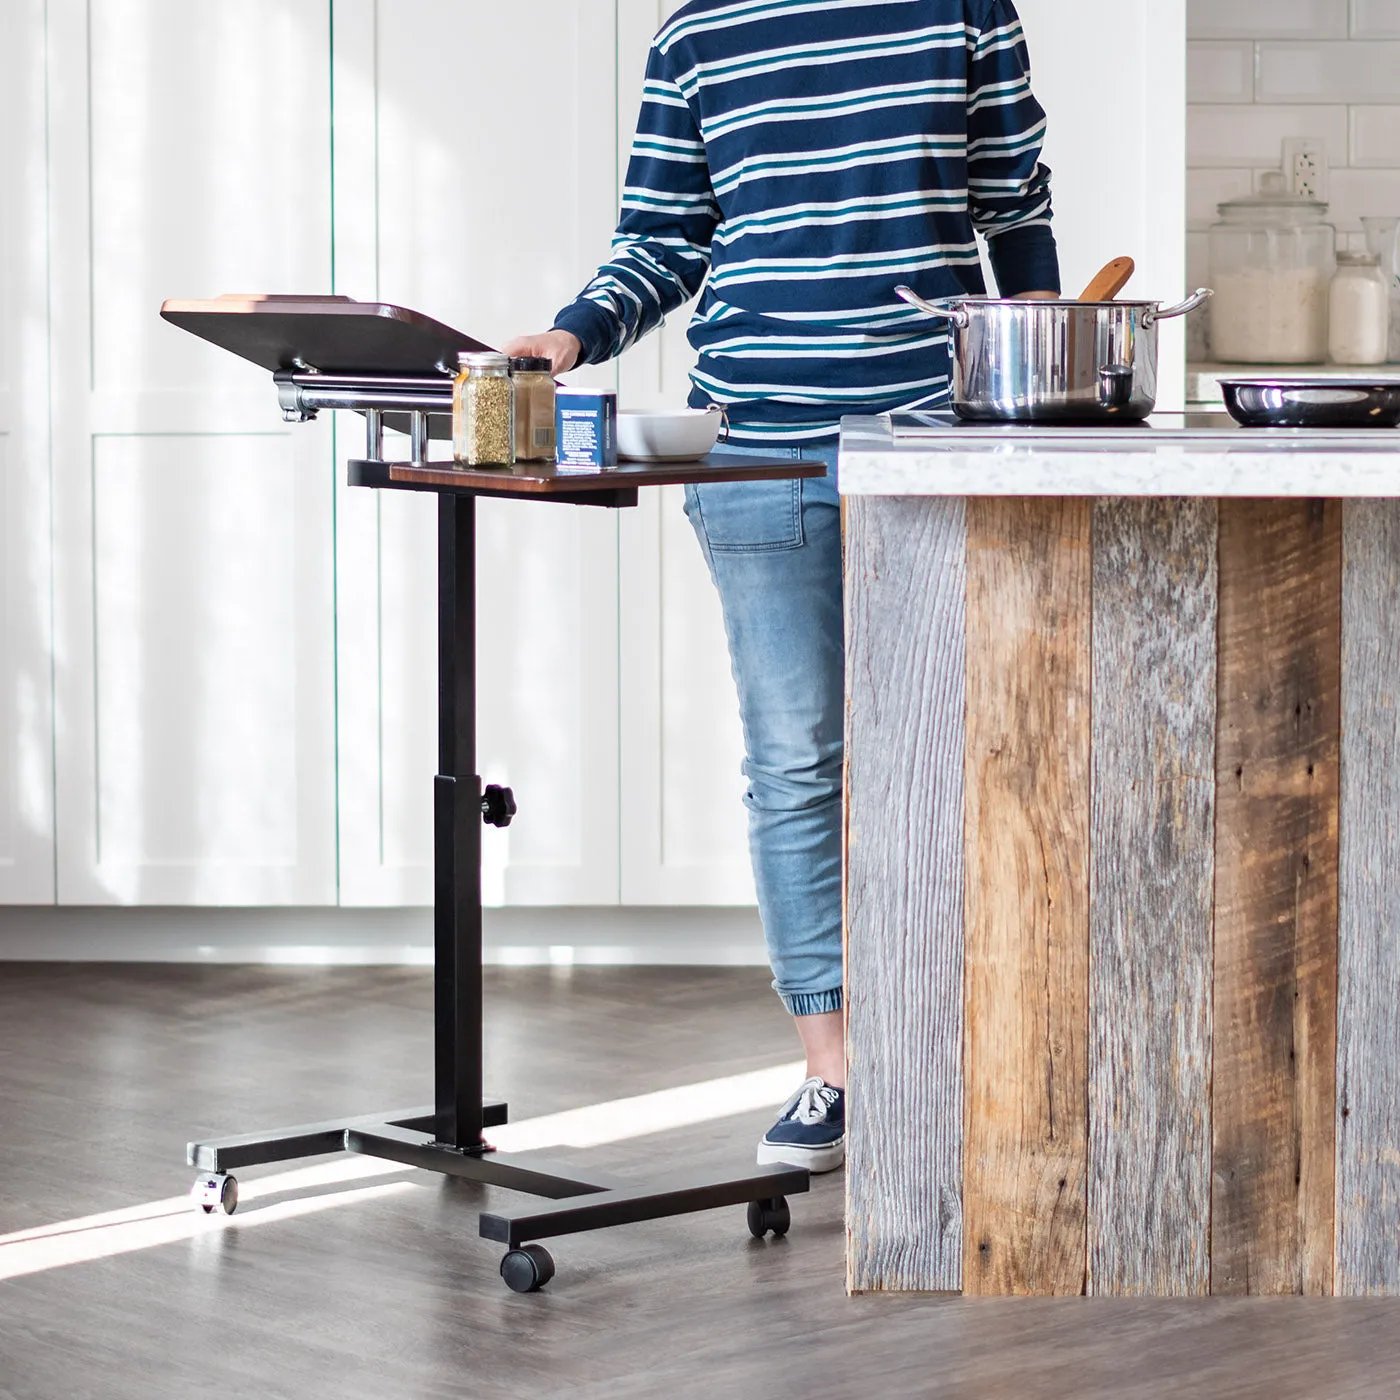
(1273, 1106)
(1027, 926)
(905, 605)
(1368, 992)
(1152, 867)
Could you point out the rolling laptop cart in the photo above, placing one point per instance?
(396, 367)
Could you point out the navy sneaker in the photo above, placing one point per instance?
(811, 1130)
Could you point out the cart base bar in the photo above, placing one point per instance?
(315, 1139)
(627, 1204)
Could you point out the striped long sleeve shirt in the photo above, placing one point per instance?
(799, 159)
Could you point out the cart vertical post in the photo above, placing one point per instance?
(457, 836)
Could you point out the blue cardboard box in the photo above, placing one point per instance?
(585, 428)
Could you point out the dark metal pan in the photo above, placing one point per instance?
(1313, 403)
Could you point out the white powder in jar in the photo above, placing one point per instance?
(1270, 316)
(1360, 320)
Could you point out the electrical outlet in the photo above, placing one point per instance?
(1305, 167)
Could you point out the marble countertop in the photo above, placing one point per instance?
(1202, 454)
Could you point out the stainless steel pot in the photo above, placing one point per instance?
(1053, 361)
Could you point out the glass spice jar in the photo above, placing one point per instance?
(483, 411)
(1359, 325)
(534, 408)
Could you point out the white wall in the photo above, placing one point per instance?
(1111, 77)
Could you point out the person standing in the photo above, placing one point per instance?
(797, 160)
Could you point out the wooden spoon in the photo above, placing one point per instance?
(1109, 280)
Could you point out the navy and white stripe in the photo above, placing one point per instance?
(799, 159)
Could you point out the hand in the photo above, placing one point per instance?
(560, 348)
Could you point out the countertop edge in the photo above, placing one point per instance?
(873, 464)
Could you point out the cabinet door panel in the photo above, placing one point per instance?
(193, 529)
(196, 663)
(464, 199)
(26, 620)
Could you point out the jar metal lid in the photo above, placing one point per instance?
(1350, 259)
(531, 364)
(482, 359)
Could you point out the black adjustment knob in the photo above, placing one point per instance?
(497, 805)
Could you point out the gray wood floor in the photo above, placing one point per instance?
(105, 1071)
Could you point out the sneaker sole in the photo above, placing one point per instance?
(815, 1159)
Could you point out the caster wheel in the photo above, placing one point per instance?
(527, 1269)
(215, 1191)
(772, 1214)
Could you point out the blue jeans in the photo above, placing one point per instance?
(774, 552)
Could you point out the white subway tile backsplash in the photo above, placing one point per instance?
(1224, 136)
(1328, 72)
(1375, 19)
(1354, 193)
(1375, 137)
(1267, 19)
(1263, 71)
(1220, 72)
(1205, 189)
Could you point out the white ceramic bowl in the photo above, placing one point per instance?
(674, 435)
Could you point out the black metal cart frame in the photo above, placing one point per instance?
(447, 1136)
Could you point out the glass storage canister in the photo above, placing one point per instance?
(1383, 239)
(534, 408)
(1359, 327)
(1272, 257)
(483, 411)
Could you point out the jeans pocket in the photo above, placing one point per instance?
(745, 517)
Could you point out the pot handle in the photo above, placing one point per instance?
(948, 311)
(1165, 313)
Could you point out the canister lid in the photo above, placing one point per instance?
(1274, 199)
(482, 359)
(530, 364)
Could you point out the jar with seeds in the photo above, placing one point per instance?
(483, 411)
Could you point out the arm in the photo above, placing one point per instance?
(1008, 187)
(661, 251)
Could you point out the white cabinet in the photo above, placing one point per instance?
(475, 181)
(194, 624)
(26, 622)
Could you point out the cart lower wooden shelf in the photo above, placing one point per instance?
(1123, 913)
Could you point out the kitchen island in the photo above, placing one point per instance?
(1123, 858)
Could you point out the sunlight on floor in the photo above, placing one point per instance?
(651, 1113)
(168, 1221)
